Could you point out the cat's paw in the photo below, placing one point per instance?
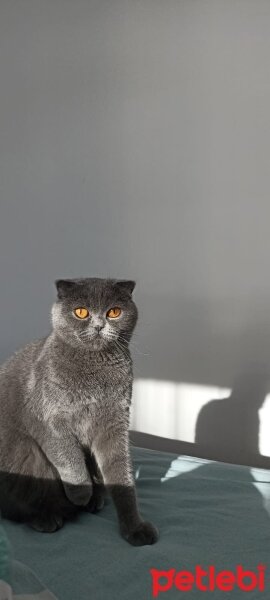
(97, 500)
(47, 523)
(145, 534)
(80, 494)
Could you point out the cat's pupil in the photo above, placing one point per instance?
(81, 312)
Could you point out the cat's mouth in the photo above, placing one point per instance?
(96, 341)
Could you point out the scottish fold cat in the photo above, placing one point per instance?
(64, 413)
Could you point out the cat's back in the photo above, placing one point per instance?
(16, 364)
(14, 375)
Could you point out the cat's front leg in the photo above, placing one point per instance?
(112, 451)
(65, 453)
(97, 499)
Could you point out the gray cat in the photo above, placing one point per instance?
(64, 413)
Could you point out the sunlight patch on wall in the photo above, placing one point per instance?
(264, 436)
(170, 409)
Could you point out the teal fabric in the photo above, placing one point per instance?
(208, 514)
(25, 584)
(22, 583)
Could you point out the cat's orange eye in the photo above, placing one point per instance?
(81, 312)
(114, 312)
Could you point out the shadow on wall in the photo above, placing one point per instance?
(230, 428)
(222, 344)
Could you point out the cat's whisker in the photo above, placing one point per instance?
(133, 346)
(124, 350)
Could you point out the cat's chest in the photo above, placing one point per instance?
(96, 410)
(88, 400)
(93, 388)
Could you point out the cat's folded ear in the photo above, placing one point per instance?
(64, 287)
(126, 285)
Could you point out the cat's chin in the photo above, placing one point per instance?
(97, 344)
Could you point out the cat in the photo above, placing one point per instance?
(64, 413)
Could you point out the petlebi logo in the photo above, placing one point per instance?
(209, 579)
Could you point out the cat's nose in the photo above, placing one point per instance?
(98, 328)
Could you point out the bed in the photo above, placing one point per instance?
(208, 513)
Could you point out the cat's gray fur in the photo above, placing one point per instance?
(64, 414)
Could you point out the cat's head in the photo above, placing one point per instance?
(94, 312)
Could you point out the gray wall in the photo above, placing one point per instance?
(135, 141)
